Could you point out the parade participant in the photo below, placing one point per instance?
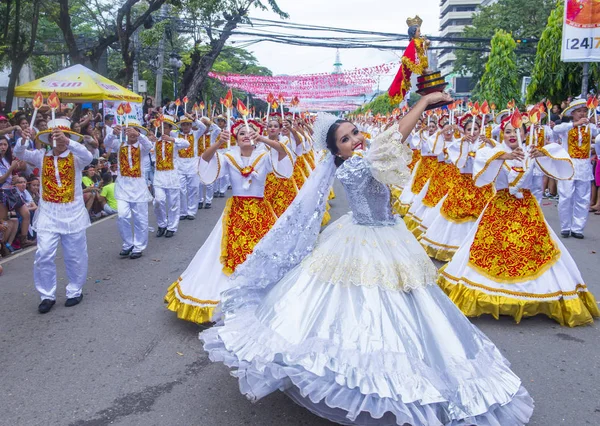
(166, 202)
(288, 132)
(414, 60)
(246, 219)
(222, 183)
(424, 169)
(444, 176)
(279, 192)
(446, 227)
(512, 263)
(574, 194)
(350, 323)
(187, 164)
(543, 135)
(131, 191)
(61, 216)
(207, 192)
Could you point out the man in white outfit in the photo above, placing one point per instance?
(187, 165)
(166, 180)
(574, 194)
(61, 216)
(131, 190)
(207, 192)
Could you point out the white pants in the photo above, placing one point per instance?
(108, 209)
(206, 193)
(133, 225)
(189, 185)
(167, 208)
(573, 204)
(76, 263)
(221, 184)
(537, 188)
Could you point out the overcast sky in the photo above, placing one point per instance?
(374, 15)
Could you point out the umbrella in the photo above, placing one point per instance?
(77, 84)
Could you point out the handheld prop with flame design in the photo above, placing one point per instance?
(53, 103)
(270, 100)
(281, 101)
(228, 102)
(201, 106)
(485, 110)
(474, 113)
(549, 109)
(534, 118)
(517, 121)
(244, 112)
(185, 102)
(120, 113)
(38, 101)
(493, 108)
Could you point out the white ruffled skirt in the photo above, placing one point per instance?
(358, 333)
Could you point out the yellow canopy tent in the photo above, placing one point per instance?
(77, 84)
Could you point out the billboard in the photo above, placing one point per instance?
(581, 31)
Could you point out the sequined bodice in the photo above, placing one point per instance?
(369, 199)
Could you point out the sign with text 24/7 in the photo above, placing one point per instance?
(581, 31)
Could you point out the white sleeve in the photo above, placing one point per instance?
(388, 158)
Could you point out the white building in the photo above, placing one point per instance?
(455, 15)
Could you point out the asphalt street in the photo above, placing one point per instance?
(120, 358)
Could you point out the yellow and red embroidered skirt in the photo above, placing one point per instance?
(280, 193)
(444, 178)
(245, 221)
(416, 156)
(465, 201)
(425, 169)
(513, 243)
(298, 174)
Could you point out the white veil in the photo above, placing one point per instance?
(294, 234)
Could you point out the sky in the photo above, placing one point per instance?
(373, 15)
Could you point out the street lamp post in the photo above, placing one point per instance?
(176, 63)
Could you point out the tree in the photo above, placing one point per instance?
(70, 17)
(19, 36)
(500, 81)
(551, 78)
(524, 19)
(216, 19)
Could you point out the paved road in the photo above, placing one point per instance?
(121, 358)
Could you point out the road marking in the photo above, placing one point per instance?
(33, 248)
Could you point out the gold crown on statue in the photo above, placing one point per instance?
(411, 22)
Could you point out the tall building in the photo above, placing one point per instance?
(455, 15)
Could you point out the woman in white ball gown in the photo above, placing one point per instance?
(350, 323)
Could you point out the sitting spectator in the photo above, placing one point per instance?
(114, 170)
(91, 191)
(107, 195)
(10, 200)
(21, 186)
(8, 232)
(33, 186)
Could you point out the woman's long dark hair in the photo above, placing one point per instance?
(8, 153)
(331, 140)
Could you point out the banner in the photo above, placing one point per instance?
(581, 31)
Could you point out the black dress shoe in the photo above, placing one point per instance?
(169, 234)
(125, 253)
(200, 206)
(160, 232)
(565, 234)
(183, 217)
(207, 206)
(190, 217)
(72, 301)
(577, 235)
(45, 306)
(135, 255)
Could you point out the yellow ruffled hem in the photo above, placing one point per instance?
(331, 194)
(441, 254)
(192, 313)
(412, 222)
(326, 218)
(401, 209)
(571, 312)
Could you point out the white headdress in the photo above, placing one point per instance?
(322, 125)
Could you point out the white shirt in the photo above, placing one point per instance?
(189, 166)
(61, 218)
(130, 189)
(169, 179)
